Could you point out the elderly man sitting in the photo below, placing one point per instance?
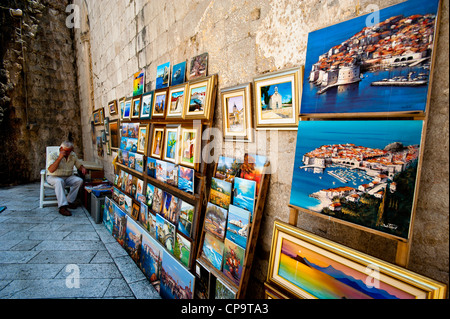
(60, 174)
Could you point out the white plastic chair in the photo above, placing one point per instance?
(44, 198)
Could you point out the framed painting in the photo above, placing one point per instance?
(176, 101)
(160, 103)
(96, 118)
(163, 75)
(277, 99)
(171, 139)
(138, 83)
(127, 109)
(178, 73)
(237, 113)
(199, 66)
(201, 96)
(212, 250)
(112, 107)
(362, 177)
(310, 267)
(146, 105)
(142, 139)
(136, 107)
(157, 142)
(389, 71)
(190, 144)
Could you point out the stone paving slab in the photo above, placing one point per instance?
(43, 253)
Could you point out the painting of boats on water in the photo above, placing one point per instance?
(238, 225)
(176, 281)
(370, 64)
(362, 172)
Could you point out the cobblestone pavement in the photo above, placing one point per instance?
(46, 255)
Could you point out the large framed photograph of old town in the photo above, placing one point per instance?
(361, 173)
(374, 64)
(311, 267)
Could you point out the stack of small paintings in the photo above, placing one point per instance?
(229, 214)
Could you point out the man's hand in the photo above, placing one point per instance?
(83, 170)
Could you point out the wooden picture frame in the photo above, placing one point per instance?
(176, 103)
(96, 116)
(146, 105)
(171, 144)
(200, 98)
(101, 114)
(297, 256)
(136, 107)
(143, 139)
(114, 134)
(277, 99)
(160, 100)
(112, 107)
(157, 147)
(237, 113)
(189, 147)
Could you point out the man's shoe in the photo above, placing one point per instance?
(63, 211)
(73, 205)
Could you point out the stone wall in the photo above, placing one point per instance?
(245, 39)
(38, 93)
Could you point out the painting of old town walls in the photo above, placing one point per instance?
(376, 63)
(361, 172)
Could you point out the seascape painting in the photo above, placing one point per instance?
(178, 73)
(213, 250)
(108, 214)
(353, 67)
(367, 177)
(244, 194)
(186, 179)
(162, 75)
(176, 281)
(325, 278)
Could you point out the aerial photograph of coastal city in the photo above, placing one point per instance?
(360, 67)
(363, 172)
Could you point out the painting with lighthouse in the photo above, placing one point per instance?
(377, 63)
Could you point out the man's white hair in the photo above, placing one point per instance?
(67, 144)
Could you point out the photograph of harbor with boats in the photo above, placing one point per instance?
(353, 67)
(363, 172)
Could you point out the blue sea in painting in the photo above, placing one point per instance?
(178, 73)
(185, 185)
(213, 257)
(313, 134)
(363, 97)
